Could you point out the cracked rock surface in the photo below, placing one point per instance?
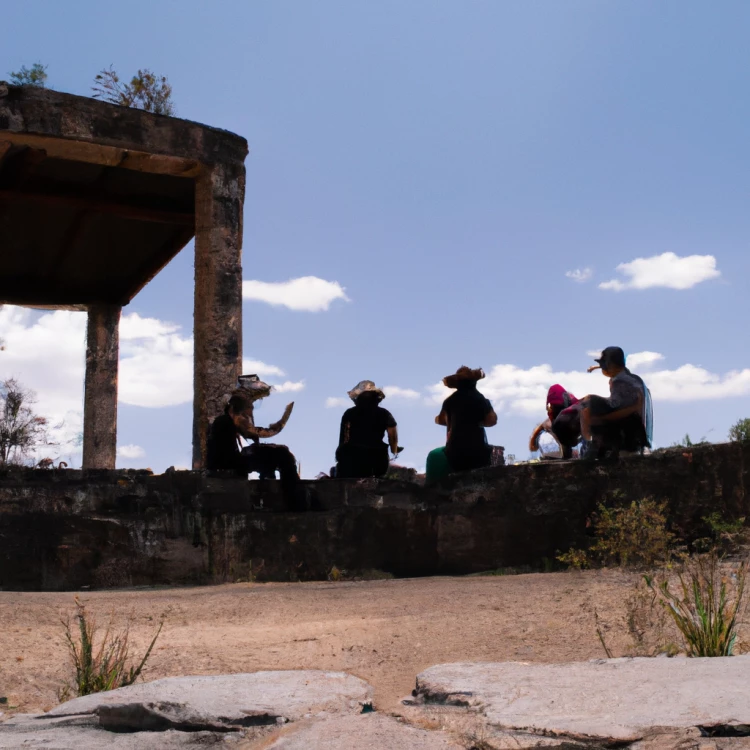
(189, 711)
(607, 701)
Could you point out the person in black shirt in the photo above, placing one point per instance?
(361, 451)
(224, 451)
(466, 413)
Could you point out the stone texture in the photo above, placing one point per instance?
(100, 398)
(366, 732)
(190, 711)
(610, 701)
(66, 529)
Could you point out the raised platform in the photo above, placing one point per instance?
(62, 530)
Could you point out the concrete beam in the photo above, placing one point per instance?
(100, 396)
(219, 199)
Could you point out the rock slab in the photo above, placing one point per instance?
(612, 700)
(189, 711)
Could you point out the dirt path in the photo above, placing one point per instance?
(383, 631)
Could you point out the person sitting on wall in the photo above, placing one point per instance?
(361, 451)
(622, 421)
(563, 421)
(465, 413)
(224, 451)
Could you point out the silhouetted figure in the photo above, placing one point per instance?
(622, 421)
(361, 451)
(465, 413)
(563, 421)
(224, 446)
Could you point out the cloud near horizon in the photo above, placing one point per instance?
(667, 270)
(514, 390)
(47, 354)
(307, 293)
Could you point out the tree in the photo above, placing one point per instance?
(36, 75)
(740, 432)
(145, 91)
(21, 430)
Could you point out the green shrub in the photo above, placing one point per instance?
(102, 667)
(740, 431)
(634, 535)
(704, 609)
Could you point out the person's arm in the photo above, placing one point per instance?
(251, 432)
(442, 419)
(534, 439)
(344, 430)
(393, 440)
(490, 419)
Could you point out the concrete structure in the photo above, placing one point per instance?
(60, 530)
(95, 200)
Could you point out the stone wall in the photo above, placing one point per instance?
(69, 529)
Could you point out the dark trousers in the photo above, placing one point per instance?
(267, 459)
(626, 434)
(567, 429)
(360, 461)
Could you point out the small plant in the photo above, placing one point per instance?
(725, 537)
(146, 91)
(102, 667)
(36, 75)
(740, 431)
(705, 611)
(634, 535)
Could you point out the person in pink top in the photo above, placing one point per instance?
(563, 421)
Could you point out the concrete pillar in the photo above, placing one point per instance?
(217, 326)
(100, 397)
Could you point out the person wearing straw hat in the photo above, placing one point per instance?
(224, 451)
(465, 414)
(361, 451)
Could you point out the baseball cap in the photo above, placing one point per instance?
(612, 355)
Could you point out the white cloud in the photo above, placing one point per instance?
(580, 275)
(308, 293)
(337, 401)
(394, 391)
(47, 354)
(289, 386)
(261, 369)
(514, 390)
(665, 270)
(642, 360)
(130, 451)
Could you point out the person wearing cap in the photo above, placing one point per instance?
(361, 451)
(563, 421)
(465, 414)
(622, 421)
(224, 451)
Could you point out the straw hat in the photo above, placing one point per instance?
(463, 373)
(365, 386)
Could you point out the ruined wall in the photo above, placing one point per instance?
(68, 529)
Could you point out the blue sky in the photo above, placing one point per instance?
(447, 163)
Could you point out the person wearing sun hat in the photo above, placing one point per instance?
(465, 414)
(622, 421)
(361, 451)
(224, 452)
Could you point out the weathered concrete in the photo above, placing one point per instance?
(66, 529)
(606, 701)
(100, 397)
(217, 328)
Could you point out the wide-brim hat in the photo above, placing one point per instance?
(365, 386)
(252, 387)
(463, 374)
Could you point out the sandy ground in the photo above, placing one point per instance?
(383, 631)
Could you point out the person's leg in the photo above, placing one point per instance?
(567, 429)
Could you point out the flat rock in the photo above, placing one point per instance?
(614, 700)
(365, 732)
(190, 711)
